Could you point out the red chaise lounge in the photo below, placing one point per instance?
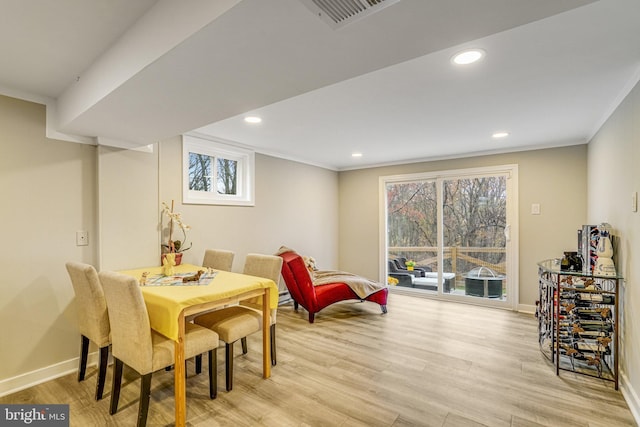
(316, 297)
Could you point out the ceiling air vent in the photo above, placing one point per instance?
(338, 13)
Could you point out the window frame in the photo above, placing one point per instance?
(512, 228)
(216, 149)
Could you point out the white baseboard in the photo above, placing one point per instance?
(630, 396)
(526, 308)
(284, 297)
(39, 376)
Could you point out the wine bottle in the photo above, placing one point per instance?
(597, 298)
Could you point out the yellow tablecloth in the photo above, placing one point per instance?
(165, 303)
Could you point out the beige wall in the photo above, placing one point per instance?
(48, 191)
(613, 170)
(51, 189)
(554, 178)
(296, 205)
(128, 208)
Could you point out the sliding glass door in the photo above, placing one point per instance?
(451, 234)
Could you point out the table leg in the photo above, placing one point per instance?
(266, 329)
(179, 376)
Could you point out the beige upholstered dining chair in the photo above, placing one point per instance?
(218, 259)
(93, 318)
(269, 267)
(237, 322)
(138, 346)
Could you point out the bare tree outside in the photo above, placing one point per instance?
(227, 176)
(474, 216)
(200, 172)
(412, 214)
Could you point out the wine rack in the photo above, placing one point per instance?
(578, 321)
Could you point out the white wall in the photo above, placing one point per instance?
(554, 178)
(613, 175)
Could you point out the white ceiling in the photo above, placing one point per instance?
(132, 73)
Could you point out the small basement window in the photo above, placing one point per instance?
(215, 173)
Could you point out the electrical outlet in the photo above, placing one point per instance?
(82, 238)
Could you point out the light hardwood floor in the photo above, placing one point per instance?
(425, 363)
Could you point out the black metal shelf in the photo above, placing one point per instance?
(578, 321)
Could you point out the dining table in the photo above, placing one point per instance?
(170, 300)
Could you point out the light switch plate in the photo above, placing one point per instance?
(634, 201)
(535, 209)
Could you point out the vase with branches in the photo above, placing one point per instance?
(172, 245)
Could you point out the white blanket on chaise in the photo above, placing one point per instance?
(361, 286)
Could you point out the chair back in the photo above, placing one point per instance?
(130, 327)
(218, 259)
(298, 281)
(266, 266)
(93, 317)
(393, 266)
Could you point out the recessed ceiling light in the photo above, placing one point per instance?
(499, 135)
(356, 155)
(252, 119)
(467, 56)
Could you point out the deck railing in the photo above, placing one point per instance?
(455, 254)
